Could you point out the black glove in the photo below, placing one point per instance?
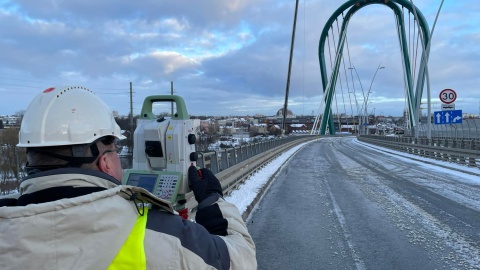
(203, 183)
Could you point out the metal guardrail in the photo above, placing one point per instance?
(217, 161)
(468, 129)
(461, 151)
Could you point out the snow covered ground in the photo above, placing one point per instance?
(246, 193)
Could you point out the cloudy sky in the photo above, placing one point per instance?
(226, 57)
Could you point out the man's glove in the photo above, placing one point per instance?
(203, 183)
(207, 190)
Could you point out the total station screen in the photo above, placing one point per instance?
(146, 181)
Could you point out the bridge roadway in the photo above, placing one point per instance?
(341, 205)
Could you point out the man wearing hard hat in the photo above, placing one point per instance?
(72, 213)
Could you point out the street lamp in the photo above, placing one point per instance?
(356, 105)
(361, 86)
(366, 97)
(359, 109)
(370, 88)
(374, 119)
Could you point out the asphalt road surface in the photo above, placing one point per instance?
(341, 205)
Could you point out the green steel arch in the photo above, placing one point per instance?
(413, 99)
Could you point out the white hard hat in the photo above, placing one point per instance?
(66, 115)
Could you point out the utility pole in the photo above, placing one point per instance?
(171, 90)
(131, 118)
(285, 105)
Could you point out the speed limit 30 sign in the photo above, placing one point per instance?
(448, 96)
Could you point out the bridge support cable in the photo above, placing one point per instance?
(336, 51)
(318, 118)
(346, 77)
(416, 79)
(342, 89)
(331, 66)
(339, 80)
(407, 66)
(425, 53)
(340, 77)
(325, 114)
(353, 6)
(350, 67)
(412, 37)
(413, 60)
(329, 86)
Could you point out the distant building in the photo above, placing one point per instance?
(469, 116)
(261, 128)
(289, 113)
(297, 127)
(10, 121)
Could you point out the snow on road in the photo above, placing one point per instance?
(246, 193)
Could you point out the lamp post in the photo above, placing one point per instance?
(365, 97)
(356, 106)
(370, 88)
(355, 95)
(374, 119)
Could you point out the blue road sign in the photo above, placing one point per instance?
(447, 117)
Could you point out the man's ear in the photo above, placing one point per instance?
(104, 164)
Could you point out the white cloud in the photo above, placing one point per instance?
(236, 51)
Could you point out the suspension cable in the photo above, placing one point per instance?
(331, 66)
(351, 75)
(410, 47)
(330, 55)
(345, 71)
(303, 60)
(426, 51)
(405, 108)
(416, 50)
(341, 84)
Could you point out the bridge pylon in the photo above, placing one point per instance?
(414, 94)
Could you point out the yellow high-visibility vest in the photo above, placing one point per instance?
(132, 253)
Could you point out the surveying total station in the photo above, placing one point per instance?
(164, 148)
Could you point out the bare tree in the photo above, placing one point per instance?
(20, 115)
(253, 131)
(275, 131)
(201, 144)
(12, 158)
(207, 136)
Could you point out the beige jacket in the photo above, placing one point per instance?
(86, 232)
